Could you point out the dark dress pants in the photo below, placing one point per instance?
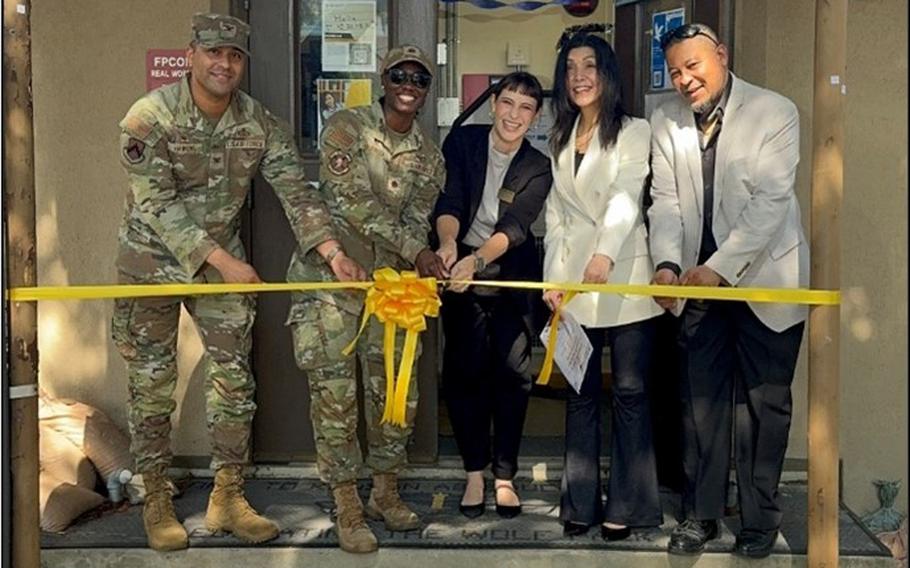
(728, 356)
(486, 377)
(632, 492)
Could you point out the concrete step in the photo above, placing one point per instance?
(419, 558)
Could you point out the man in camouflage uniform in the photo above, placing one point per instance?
(379, 176)
(190, 150)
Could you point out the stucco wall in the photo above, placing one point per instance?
(775, 47)
(88, 68)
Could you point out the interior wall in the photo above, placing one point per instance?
(775, 48)
(483, 36)
(88, 69)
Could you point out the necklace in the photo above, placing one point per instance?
(582, 140)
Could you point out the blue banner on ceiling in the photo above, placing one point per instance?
(526, 5)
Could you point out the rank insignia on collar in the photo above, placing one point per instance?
(134, 150)
(339, 163)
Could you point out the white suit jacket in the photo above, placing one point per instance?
(599, 211)
(757, 224)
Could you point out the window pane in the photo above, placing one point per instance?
(339, 63)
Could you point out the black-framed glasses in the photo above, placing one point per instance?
(685, 31)
(420, 79)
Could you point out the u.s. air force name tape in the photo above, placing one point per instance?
(776, 295)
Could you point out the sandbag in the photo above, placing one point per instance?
(62, 502)
(106, 445)
(90, 430)
(62, 460)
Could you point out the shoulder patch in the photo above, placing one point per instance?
(339, 163)
(134, 150)
(339, 137)
(341, 130)
(137, 126)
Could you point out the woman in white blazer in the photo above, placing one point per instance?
(595, 233)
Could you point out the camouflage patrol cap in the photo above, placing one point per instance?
(402, 53)
(218, 30)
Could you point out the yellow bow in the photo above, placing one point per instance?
(547, 366)
(398, 300)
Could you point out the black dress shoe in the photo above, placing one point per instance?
(690, 536)
(574, 529)
(507, 511)
(472, 511)
(754, 543)
(611, 534)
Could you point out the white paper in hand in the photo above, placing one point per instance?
(573, 349)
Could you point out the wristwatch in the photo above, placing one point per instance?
(479, 263)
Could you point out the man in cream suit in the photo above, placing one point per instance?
(724, 213)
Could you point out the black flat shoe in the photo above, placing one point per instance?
(574, 529)
(472, 511)
(690, 536)
(753, 543)
(611, 534)
(507, 511)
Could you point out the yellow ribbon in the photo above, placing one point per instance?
(405, 300)
(38, 293)
(547, 368)
(777, 295)
(398, 300)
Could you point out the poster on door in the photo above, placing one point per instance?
(333, 95)
(661, 23)
(349, 35)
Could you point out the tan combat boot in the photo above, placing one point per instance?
(163, 530)
(229, 510)
(353, 533)
(385, 504)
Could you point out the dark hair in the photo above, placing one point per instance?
(523, 83)
(564, 110)
(687, 31)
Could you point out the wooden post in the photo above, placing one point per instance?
(824, 321)
(19, 190)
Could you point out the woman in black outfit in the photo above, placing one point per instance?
(496, 184)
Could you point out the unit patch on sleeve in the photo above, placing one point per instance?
(134, 150)
(339, 163)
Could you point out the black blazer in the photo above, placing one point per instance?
(526, 184)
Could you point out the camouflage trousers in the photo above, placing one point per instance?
(145, 332)
(320, 334)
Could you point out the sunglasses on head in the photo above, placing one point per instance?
(420, 79)
(685, 31)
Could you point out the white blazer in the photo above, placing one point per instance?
(599, 211)
(757, 224)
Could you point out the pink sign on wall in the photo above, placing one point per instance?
(164, 66)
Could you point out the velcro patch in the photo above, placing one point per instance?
(137, 126)
(339, 138)
(339, 163)
(245, 144)
(184, 147)
(134, 150)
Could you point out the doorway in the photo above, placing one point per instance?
(298, 79)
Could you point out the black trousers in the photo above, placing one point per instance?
(729, 357)
(486, 377)
(632, 492)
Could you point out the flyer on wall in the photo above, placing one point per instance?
(333, 95)
(349, 35)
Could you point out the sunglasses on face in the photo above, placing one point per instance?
(420, 79)
(686, 31)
